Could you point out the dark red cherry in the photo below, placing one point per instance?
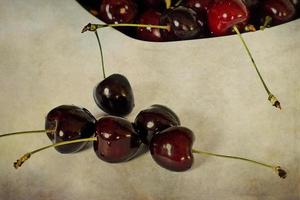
(114, 95)
(160, 4)
(199, 5)
(153, 120)
(149, 34)
(172, 148)
(117, 140)
(183, 23)
(280, 11)
(251, 3)
(224, 14)
(118, 11)
(69, 122)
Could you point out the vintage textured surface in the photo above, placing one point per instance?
(45, 61)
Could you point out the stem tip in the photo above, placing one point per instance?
(21, 160)
(281, 173)
(274, 101)
(89, 27)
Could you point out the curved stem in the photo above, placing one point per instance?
(101, 54)
(277, 169)
(22, 132)
(26, 156)
(94, 27)
(271, 97)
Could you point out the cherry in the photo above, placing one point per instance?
(153, 120)
(172, 149)
(69, 122)
(118, 11)
(224, 14)
(183, 22)
(117, 140)
(66, 123)
(149, 34)
(199, 6)
(114, 95)
(158, 4)
(280, 11)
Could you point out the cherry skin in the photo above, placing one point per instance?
(199, 6)
(69, 122)
(114, 95)
(153, 120)
(158, 4)
(149, 34)
(183, 23)
(116, 141)
(224, 14)
(280, 11)
(251, 3)
(172, 148)
(118, 11)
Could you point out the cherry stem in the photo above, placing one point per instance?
(22, 132)
(26, 156)
(282, 173)
(168, 3)
(274, 101)
(267, 22)
(178, 3)
(94, 27)
(101, 54)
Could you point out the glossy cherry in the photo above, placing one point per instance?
(153, 120)
(118, 11)
(69, 122)
(199, 6)
(183, 23)
(149, 34)
(280, 11)
(172, 148)
(224, 14)
(117, 140)
(114, 95)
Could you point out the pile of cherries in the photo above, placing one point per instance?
(190, 19)
(115, 139)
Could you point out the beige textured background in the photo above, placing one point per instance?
(45, 61)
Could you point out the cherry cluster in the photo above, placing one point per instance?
(190, 19)
(116, 139)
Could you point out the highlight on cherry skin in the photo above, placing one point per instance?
(66, 123)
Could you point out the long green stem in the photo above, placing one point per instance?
(94, 27)
(277, 169)
(26, 156)
(274, 101)
(101, 54)
(23, 132)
